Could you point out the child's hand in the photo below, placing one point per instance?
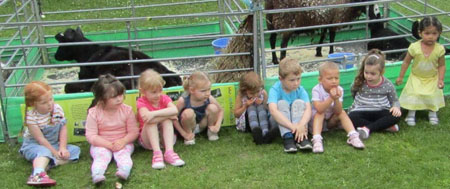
(189, 136)
(147, 117)
(250, 102)
(63, 154)
(399, 81)
(440, 84)
(258, 101)
(396, 111)
(300, 133)
(214, 129)
(118, 145)
(334, 93)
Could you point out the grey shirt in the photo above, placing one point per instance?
(375, 98)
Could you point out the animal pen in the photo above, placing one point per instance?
(27, 48)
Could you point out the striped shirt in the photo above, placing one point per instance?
(35, 119)
(375, 98)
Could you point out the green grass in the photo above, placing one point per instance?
(416, 157)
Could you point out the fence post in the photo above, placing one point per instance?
(221, 7)
(40, 30)
(3, 108)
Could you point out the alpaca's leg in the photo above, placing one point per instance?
(323, 33)
(284, 44)
(273, 41)
(332, 36)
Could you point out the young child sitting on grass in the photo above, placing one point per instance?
(156, 112)
(198, 110)
(375, 106)
(45, 135)
(289, 106)
(251, 108)
(327, 112)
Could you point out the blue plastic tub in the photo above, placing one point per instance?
(340, 59)
(220, 44)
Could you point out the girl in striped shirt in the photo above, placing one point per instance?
(375, 106)
(45, 134)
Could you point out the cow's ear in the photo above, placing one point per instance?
(79, 32)
(59, 37)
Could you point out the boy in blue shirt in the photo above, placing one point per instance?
(290, 107)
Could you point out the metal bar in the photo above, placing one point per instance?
(40, 33)
(137, 7)
(232, 11)
(124, 61)
(122, 41)
(130, 53)
(109, 20)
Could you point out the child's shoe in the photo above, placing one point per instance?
(212, 136)
(173, 159)
(355, 141)
(157, 160)
(393, 129)
(189, 142)
(41, 179)
(305, 144)
(97, 179)
(121, 174)
(317, 145)
(434, 120)
(411, 121)
(273, 132)
(289, 145)
(364, 132)
(257, 135)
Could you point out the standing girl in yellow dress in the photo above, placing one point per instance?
(423, 90)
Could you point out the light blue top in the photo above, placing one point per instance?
(277, 93)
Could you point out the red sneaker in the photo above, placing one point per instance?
(41, 179)
(393, 129)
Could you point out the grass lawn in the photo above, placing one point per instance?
(416, 157)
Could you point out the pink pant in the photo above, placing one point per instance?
(102, 157)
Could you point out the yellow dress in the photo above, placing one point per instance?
(421, 91)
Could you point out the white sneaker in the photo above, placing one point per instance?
(212, 136)
(189, 142)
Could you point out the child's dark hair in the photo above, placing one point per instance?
(430, 21)
(374, 57)
(251, 81)
(106, 87)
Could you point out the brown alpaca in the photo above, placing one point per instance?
(310, 18)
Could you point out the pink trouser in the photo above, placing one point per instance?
(102, 156)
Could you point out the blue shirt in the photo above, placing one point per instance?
(277, 93)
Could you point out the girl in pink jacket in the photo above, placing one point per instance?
(111, 129)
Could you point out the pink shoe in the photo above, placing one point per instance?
(157, 160)
(173, 159)
(41, 179)
(393, 129)
(355, 141)
(97, 179)
(317, 145)
(122, 174)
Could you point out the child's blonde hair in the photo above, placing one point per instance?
(195, 80)
(106, 87)
(289, 66)
(250, 82)
(327, 66)
(32, 92)
(373, 57)
(151, 79)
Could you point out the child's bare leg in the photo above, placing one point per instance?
(346, 122)
(188, 120)
(212, 112)
(318, 123)
(151, 134)
(40, 163)
(167, 129)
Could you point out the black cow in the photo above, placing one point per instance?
(100, 53)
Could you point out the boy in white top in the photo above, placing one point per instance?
(327, 97)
